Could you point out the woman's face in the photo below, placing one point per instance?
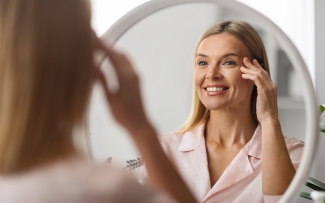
(217, 76)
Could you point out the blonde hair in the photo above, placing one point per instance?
(45, 79)
(246, 34)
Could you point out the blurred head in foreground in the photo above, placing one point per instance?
(46, 71)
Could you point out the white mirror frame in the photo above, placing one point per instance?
(126, 22)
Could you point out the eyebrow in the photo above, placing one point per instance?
(226, 55)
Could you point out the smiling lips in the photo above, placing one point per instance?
(215, 89)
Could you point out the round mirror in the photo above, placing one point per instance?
(160, 38)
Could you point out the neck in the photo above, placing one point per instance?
(230, 126)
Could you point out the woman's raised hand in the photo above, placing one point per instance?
(126, 103)
(266, 104)
(127, 108)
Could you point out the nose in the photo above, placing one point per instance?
(213, 73)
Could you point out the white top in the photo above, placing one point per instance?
(76, 180)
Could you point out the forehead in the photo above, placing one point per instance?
(220, 44)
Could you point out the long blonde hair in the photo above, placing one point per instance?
(45, 79)
(246, 34)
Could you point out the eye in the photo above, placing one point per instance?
(202, 63)
(229, 63)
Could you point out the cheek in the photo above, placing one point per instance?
(246, 85)
(198, 77)
(240, 82)
(234, 75)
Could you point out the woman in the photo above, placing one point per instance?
(46, 74)
(231, 148)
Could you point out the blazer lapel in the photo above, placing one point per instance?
(240, 167)
(195, 162)
(237, 170)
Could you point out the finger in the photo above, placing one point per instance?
(120, 62)
(249, 71)
(255, 62)
(258, 72)
(102, 79)
(255, 68)
(259, 82)
(108, 51)
(262, 84)
(113, 55)
(252, 77)
(249, 64)
(99, 44)
(95, 39)
(261, 87)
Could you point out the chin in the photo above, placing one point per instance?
(214, 107)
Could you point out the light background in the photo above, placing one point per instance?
(301, 20)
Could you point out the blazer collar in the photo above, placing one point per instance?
(193, 143)
(231, 176)
(192, 139)
(196, 163)
(255, 144)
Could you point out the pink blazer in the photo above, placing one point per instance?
(240, 182)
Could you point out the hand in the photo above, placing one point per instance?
(266, 103)
(125, 104)
(127, 108)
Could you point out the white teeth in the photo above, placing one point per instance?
(215, 89)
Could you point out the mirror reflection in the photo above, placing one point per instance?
(164, 49)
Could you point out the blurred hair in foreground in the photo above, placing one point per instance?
(45, 79)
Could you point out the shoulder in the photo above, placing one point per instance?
(122, 186)
(187, 141)
(77, 181)
(171, 143)
(295, 148)
(292, 142)
(172, 139)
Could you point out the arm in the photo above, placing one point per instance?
(277, 168)
(127, 108)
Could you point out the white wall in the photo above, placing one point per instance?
(106, 12)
